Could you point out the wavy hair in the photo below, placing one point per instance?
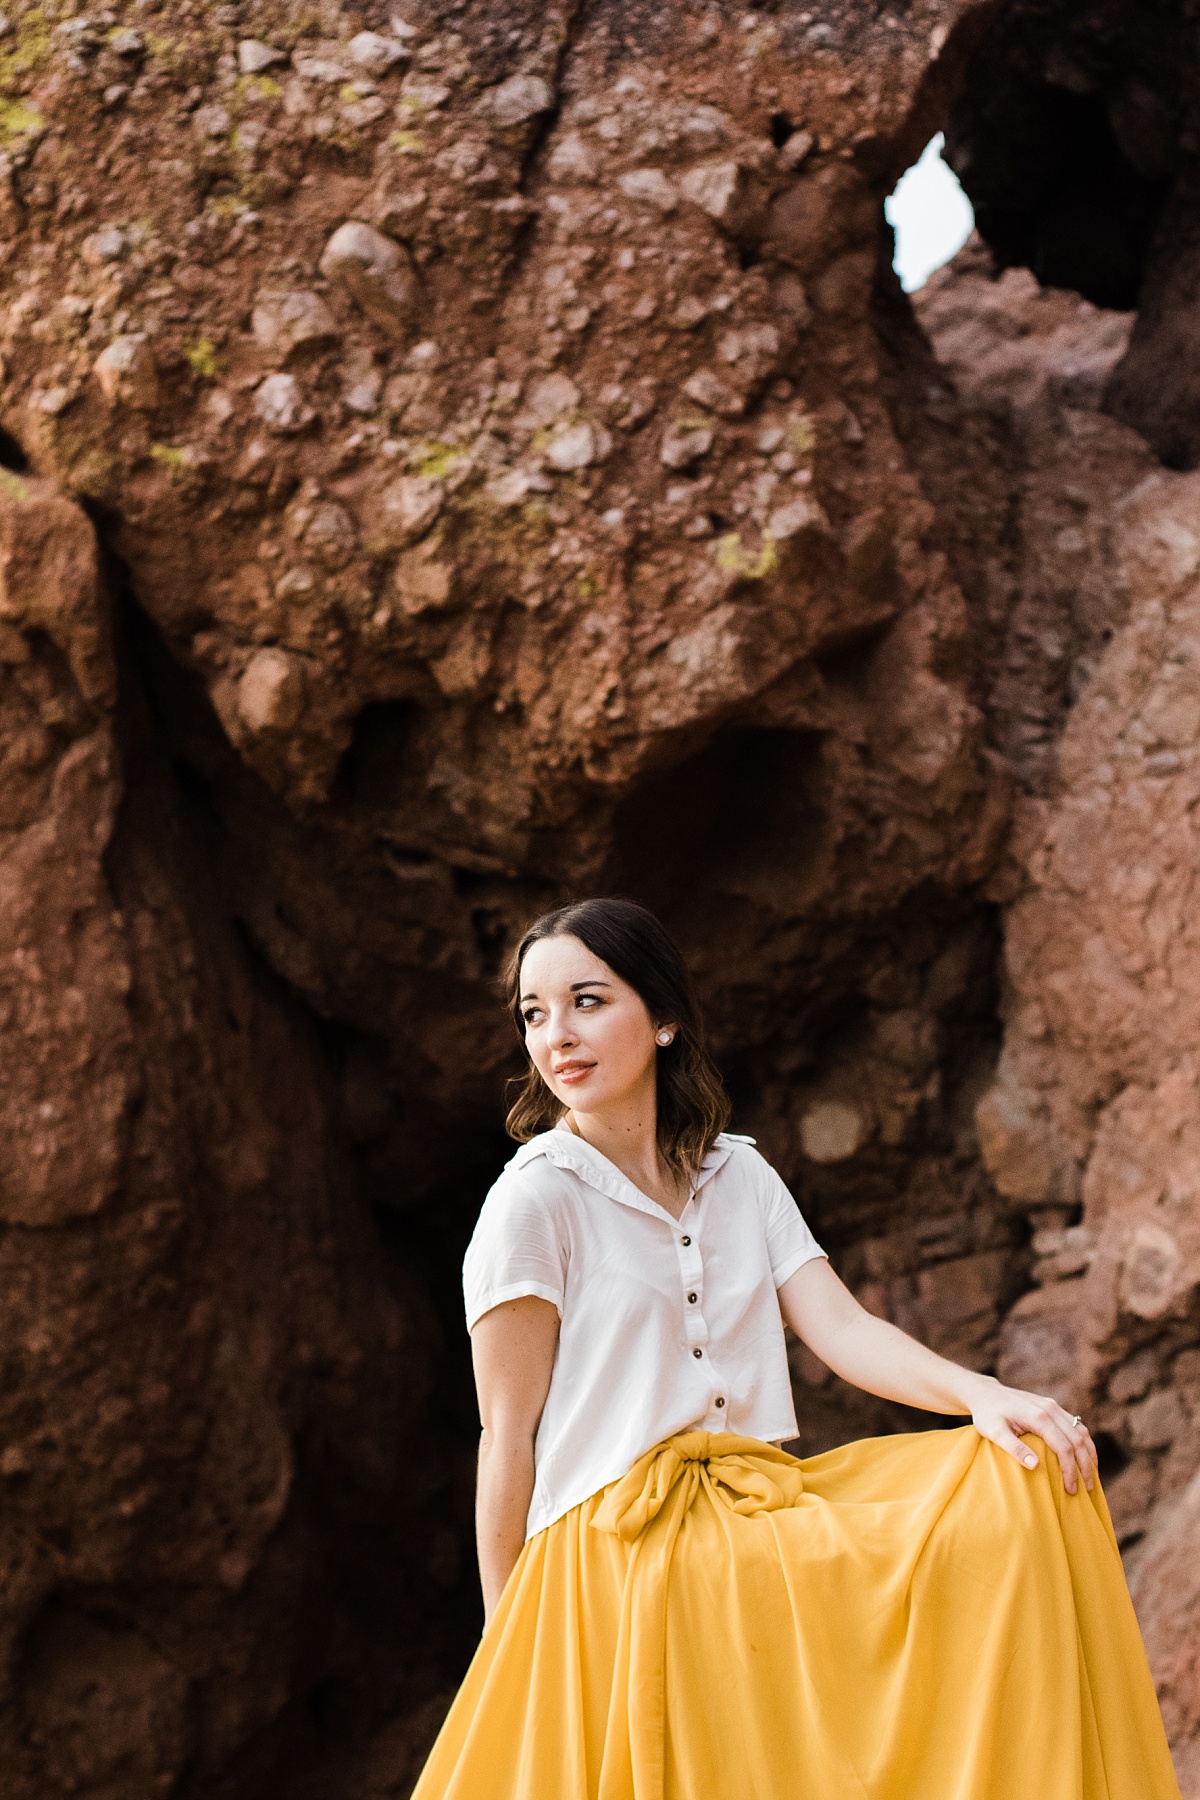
(692, 1103)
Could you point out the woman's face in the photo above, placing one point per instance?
(588, 1033)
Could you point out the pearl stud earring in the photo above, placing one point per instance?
(664, 1038)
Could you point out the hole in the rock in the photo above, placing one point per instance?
(847, 661)
(1052, 188)
(469, 884)
(930, 215)
(781, 129)
(743, 816)
(11, 454)
(372, 772)
(491, 934)
(1111, 1454)
(195, 784)
(326, 1704)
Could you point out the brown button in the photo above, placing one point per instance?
(720, 1402)
(691, 1299)
(685, 1242)
(697, 1353)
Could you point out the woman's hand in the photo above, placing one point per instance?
(1002, 1414)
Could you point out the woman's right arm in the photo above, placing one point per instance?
(513, 1348)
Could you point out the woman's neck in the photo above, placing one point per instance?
(630, 1141)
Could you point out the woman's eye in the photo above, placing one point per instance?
(532, 1016)
(587, 1000)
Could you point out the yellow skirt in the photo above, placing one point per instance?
(908, 1618)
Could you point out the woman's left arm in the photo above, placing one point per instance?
(877, 1356)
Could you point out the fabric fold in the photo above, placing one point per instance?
(647, 1508)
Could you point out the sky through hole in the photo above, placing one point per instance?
(930, 215)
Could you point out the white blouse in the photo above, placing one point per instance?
(667, 1324)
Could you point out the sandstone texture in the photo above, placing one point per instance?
(460, 456)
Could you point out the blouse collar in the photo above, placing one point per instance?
(566, 1150)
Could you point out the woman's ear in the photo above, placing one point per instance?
(666, 1035)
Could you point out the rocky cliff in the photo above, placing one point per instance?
(461, 456)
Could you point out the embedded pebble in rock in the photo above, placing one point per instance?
(279, 403)
(519, 99)
(331, 534)
(723, 190)
(362, 383)
(374, 53)
(400, 211)
(549, 398)
(322, 63)
(511, 488)
(403, 512)
(376, 273)
(254, 57)
(575, 447)
(52, 400)
(651, 187)
(796, 517)
(421, 94)
(796, 150)
(710, 391)
(283, 322)
(212, 121)
(106, 245)
(684, 444)
(422, 584)
(127, 42)
(127, 373)
(270, 693)
(574, 159)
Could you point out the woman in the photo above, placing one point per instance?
(676, 1608)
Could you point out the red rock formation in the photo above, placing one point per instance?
(515, 474)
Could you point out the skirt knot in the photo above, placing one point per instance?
(743, 1474)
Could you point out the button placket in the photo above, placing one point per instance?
(691, 1269)
(691, 1279)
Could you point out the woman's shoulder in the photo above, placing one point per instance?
(750, 1169)
(533, 1173)
(740, 1154)
(523, 1206)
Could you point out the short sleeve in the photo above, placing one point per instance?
(790, 1243)
(515, 1250)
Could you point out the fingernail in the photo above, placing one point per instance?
(1031, 1462)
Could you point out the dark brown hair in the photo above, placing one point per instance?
(692, 1104)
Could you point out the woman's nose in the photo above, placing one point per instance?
(562, 1032)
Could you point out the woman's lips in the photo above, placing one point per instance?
(570, 1072)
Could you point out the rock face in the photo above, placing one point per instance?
(459, 460)
(166, 1142)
